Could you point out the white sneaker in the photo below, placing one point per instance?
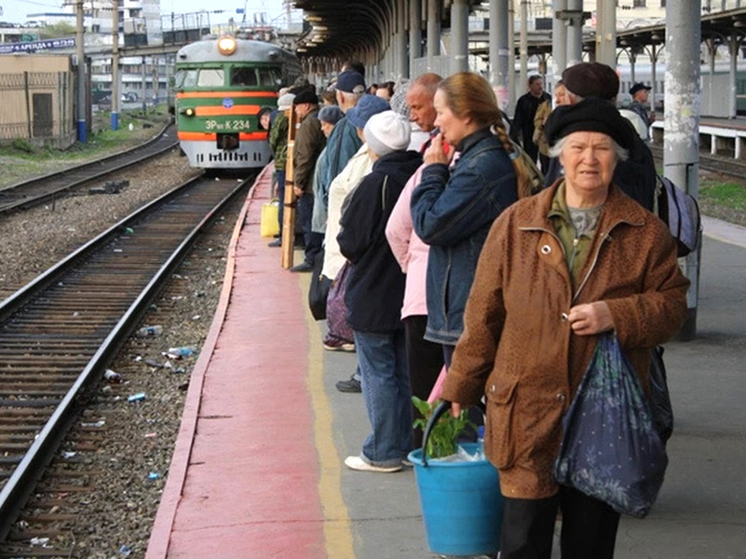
(341, 347)
(357, 463)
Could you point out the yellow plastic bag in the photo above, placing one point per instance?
(269, 226)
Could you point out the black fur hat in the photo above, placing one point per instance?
(590, 115)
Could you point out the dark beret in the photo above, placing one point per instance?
(590, 115)
(306, 96)
(591, 79)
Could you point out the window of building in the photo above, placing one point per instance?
(663, 3)
(639, 3)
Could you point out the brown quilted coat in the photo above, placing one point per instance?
(517, 347)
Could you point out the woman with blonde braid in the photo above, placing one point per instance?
(459, 197)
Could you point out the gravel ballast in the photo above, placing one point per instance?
(136, 439)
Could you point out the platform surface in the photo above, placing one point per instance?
(258, 473)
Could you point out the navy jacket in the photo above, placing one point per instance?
(375, 288)
(452, 211)
(343, 143)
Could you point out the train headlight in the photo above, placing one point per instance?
(227, 45)
(188, 112)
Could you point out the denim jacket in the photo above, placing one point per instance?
(452, 211)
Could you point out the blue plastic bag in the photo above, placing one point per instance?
(610, 449)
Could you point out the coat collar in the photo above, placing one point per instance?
(618, 208)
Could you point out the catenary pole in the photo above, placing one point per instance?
(523, 48)
(500, 52)
(606, 32)
(114, 64)
(682, 108)
(459, 36)
(415, 35)
(559, 40)
(574, 26)
(433, 33)
(512, 89)
(80, 51)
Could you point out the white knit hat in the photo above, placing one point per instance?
(285, 102)
(387, 132)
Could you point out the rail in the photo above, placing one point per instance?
(37, 333)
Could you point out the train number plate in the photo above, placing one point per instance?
(235, 124)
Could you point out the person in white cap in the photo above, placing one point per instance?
(375, 291)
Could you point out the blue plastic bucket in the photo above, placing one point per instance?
(462, 506)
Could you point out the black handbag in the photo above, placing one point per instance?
(319, 290)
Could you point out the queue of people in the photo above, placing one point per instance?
(439, 263)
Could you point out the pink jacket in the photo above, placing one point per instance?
(409, 250)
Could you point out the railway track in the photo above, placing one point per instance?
(58, 333)
(39, 190)
(726, 166)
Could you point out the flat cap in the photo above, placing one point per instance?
(350, 81)
(591, 79)
(331, 114)
(368, 106)
(638, 87)
(285, 101)
(590, 115)
(306, 96)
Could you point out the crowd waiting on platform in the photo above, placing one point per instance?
(432, 260)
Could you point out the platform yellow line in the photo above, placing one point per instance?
(337, 525)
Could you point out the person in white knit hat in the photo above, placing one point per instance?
(385, 133)
(375, 291)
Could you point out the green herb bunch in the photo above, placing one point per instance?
(444, 434)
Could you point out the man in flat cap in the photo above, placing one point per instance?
(639, 93)
(343, 142)
(309, 142)
(636, 176)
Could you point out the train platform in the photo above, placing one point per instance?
(257, 470)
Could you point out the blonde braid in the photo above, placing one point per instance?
(524, 184)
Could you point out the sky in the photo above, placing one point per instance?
(15, 11)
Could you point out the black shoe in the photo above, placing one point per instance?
(351, 385)
(302, 267)
(276, 243)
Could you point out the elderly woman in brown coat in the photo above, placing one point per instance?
(557, 269)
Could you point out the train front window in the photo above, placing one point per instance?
(186, 78)
(270, 77)
(211, 77)
(243, 77)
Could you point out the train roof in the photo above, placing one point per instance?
(206, 50)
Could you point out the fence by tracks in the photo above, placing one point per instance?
(37, 107)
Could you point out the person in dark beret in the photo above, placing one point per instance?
(590, 79)
(636, 175)
(557, 270)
